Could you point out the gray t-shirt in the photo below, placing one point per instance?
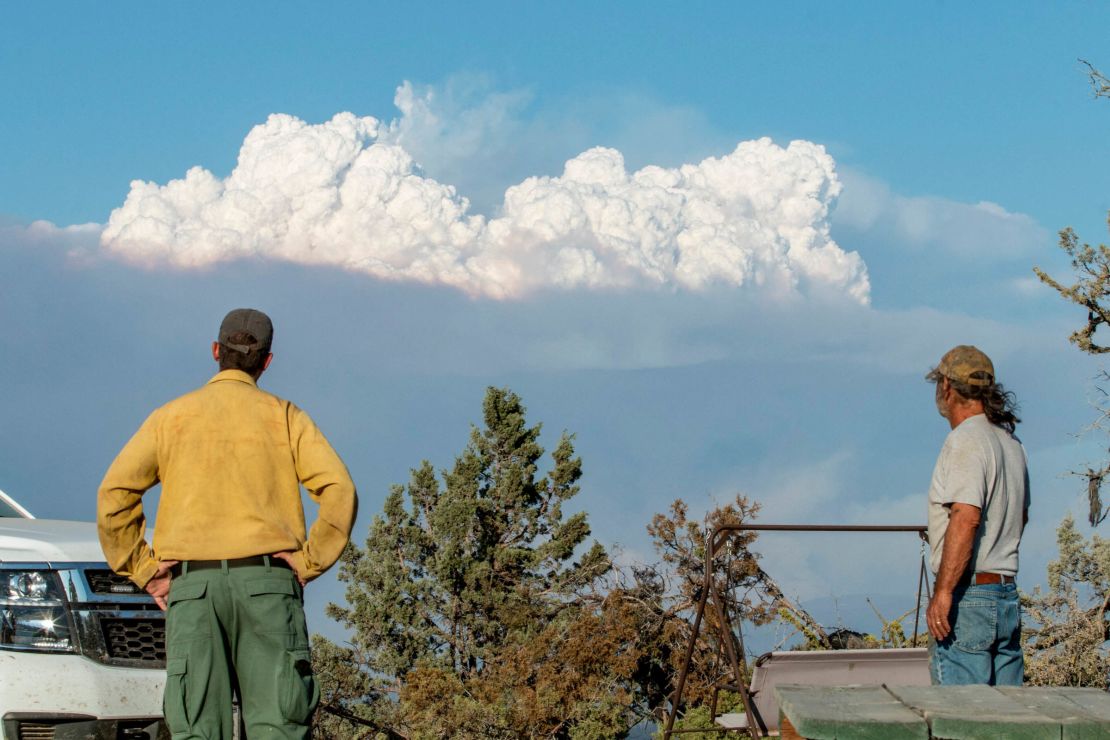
(983, 465)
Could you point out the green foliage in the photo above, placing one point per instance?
(1090, 290)
(471, 617)
(468, 609)
(680, 541)
(1081, 563)
(893, 634)
(811, 639)
(1066, 627)
(700, 718)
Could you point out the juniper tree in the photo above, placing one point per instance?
(668, 597)
(467, 589)
(1065, 643)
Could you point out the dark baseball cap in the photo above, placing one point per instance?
(250, 321)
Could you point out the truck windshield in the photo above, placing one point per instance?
(8, 510)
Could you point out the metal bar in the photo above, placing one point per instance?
(821, 528)
(686, 661)
(724, 529)
(724, 626)
(917, 604)
(752, 712)
(717, 660)
(736, 642)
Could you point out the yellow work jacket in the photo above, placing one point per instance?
(231, 459)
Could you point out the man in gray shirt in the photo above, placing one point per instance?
(978, 507)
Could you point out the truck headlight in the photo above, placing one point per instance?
(33, 585)
(32, 613)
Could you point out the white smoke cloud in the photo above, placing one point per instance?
(346, 193)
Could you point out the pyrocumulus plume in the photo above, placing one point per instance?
(345, 193)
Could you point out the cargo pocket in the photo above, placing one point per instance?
(187, 612)
(275, 608)
(299, 693)
(175, 702)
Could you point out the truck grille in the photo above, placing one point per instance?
(104, 581)
(24, 726)
(135, 639)
(35, 731)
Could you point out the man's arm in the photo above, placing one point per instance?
(328, 483)
(119, 509)
(959, 542)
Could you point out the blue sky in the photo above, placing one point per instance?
(956, 142)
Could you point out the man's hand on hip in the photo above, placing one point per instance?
(159, 585)
(287, 556)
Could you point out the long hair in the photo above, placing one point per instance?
(999, 404)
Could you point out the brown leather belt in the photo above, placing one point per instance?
(982, 579)
(232, 563)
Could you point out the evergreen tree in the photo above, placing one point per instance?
(1067, 626)
(467, 607)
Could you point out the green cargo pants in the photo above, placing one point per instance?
(244, 627)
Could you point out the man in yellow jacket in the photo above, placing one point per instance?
(230, 555)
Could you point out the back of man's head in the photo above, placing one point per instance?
(970, 373)
(246, 335)
(967, 368)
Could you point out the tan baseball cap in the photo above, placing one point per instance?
(968, 365)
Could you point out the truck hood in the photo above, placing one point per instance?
(49, 540)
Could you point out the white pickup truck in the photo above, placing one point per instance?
(82, 650)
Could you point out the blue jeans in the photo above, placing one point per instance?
(985, 643)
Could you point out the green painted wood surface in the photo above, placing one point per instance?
(1084, 714)
(976, 713)
(848, 713)
(949, 712)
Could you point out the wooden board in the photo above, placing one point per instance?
(787, 731)
(950, 712)
(842, 712)
(976, 713)
(1083, 713)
